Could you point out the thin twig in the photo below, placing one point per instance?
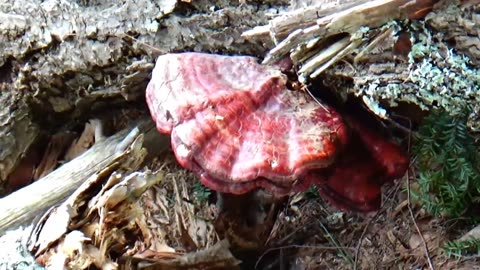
(357, 249)
(408, 130)
(360, 241)
(155, 49)
(296, 230)
(399, 126)
(425, 246)
(334, 241)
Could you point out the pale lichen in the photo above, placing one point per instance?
(437, 76)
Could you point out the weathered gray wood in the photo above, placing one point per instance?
(23, 205)
(28, 202)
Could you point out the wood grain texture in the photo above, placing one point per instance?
(31, 201)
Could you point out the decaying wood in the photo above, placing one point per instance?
(18, 131)
(59, 60)
(394, 51)
(26, 203)
(23, 205)
(280, 27)
(295, 30)
(440, 69)
(110, 221)
(108, 199)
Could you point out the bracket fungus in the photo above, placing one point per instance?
(234, 123)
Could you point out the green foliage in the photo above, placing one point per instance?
(460, 248)
(447, 165)
(201, 192)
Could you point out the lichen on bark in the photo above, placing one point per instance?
(441, 70)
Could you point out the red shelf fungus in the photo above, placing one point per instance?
(234, 123)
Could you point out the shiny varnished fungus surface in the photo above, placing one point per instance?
(235, 124)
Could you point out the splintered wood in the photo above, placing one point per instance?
(25, 204)
(122, 216)
(317, 37)
(97, 217)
